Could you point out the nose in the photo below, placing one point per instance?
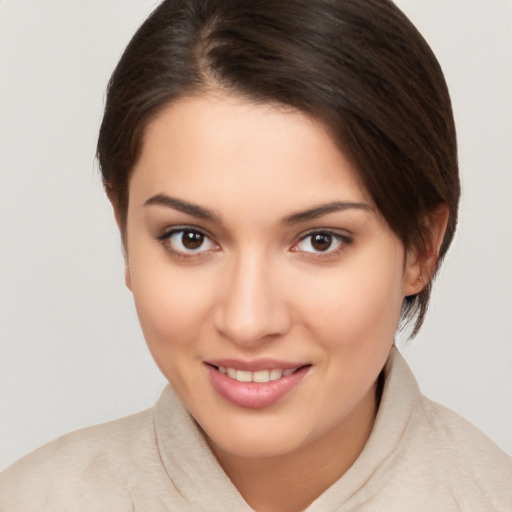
(251, 307)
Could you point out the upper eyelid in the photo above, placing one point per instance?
(345, 237)
(164, 235)
(342, 233)
(170, 230)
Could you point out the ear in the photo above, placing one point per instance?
(420, 265)
(117, 215)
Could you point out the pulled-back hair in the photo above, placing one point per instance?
(360, 66)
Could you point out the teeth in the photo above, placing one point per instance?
(243, 376)
(260, 376)
(275, 374)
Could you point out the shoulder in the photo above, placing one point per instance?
(431, 455)
(87, 463)
(474, 467)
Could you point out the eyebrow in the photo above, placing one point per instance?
(324, 209)
(184, 206)
(296, 218)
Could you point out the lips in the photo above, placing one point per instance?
(254, 384)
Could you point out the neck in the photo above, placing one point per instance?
(290, 482)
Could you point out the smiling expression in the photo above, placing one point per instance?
(267, 285)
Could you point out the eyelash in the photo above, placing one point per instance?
(165, 239)
(342, 239)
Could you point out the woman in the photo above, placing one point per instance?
(284, 177)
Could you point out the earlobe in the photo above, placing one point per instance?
(414, 281)
(127, 277)
(420, 265)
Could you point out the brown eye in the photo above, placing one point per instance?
(188, 242)
(192, 240)
(321, 241)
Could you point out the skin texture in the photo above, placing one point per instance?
(257, 288)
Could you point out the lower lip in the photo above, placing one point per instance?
(254, 395)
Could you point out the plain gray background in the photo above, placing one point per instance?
(72, 353)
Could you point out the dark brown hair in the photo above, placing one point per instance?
(360, 66)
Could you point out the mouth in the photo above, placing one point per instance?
(255, 385)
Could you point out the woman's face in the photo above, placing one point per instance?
(254, 254)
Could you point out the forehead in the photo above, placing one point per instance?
(221, 149)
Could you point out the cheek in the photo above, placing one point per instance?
(171, 305)
(359, 302)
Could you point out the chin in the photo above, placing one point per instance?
(255, 442)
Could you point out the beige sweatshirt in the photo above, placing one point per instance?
(420, 457)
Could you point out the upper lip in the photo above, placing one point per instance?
(254, 365)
